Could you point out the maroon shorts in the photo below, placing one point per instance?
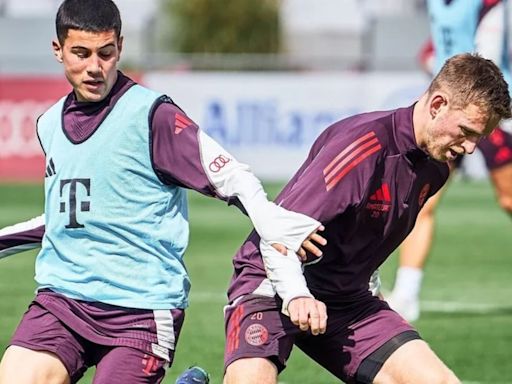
(255, 327)
(125, 345)
(496, 149)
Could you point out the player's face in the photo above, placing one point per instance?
(90, 62)
(453, 132)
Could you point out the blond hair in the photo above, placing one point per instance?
(471, 79)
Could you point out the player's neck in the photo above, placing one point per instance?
(419, 116)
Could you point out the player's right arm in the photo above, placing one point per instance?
(21, 237)
(186, 156)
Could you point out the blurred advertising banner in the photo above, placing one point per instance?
(269, 120)
(22, 101)
(266, 119)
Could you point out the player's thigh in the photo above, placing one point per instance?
(21, 365)
(121, 365)
(502, 179)
(415, 362)
(356, 344)
(257, 334)
(41, 334)
(251, 371)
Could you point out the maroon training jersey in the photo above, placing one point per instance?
(365, 179)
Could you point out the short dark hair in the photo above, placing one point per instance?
(471, 79)
(87, 15)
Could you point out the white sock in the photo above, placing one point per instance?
(408, 282)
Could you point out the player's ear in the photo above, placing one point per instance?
(57, 50)
(119, 47)
(438, 101)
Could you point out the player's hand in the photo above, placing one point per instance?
(311, 244)
(308, 245)
(308, 313)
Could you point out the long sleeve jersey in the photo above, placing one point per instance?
(365, 179)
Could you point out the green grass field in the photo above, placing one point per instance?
(467, 296)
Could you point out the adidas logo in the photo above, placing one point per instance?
(50, 169)
(382, 194)
(380, 201)
(181, 122)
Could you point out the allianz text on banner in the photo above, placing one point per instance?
(270, 120)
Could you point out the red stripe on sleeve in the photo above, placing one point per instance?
(352, 165)
(347, 159)
(181, 125)
(347, 150)
(183, 119)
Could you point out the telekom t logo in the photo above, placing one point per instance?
(72, 202)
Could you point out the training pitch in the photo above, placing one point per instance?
(466, 300)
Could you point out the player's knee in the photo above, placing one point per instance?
(445, 376)
(251, 371)
(506, 203)
(450, 378)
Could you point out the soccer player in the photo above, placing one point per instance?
(457, 26)
(112, 285)
(366, 178)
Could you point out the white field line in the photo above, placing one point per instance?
(426, 306)
(455, 306)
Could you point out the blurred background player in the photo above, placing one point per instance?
(457, 26)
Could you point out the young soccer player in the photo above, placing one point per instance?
(112, 285)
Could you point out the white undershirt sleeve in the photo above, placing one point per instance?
(285, 274)
(231, 178)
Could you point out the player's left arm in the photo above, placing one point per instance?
(185, 155)
(491, 32)
(21, 237)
